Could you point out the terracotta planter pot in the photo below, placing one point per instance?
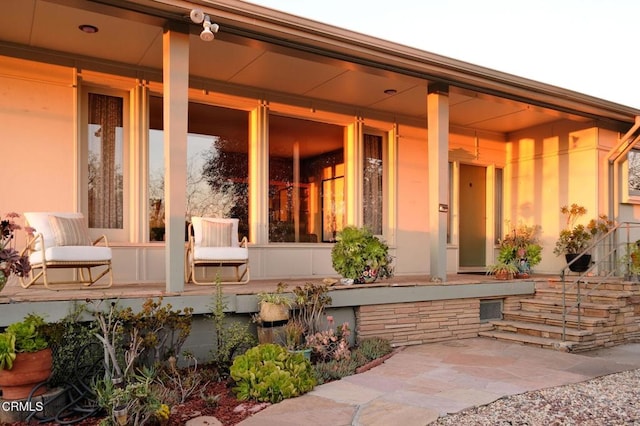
(29, 369)
(271, 312)
(500, 275)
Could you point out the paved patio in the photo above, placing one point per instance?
(420, 383)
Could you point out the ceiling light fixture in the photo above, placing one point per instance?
(390, 92)
(209, 28)
(89, 29)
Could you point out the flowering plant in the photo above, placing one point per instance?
(521, 247)
(10, 259)
(331, 344)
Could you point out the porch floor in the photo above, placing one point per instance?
(14, 293)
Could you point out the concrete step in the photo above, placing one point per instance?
(612, 284)
(587, 295)
(599, 310)
(549, 318)
(540, 342)
(544, 330)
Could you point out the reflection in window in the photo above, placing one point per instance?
(634, 172)
(217, 166)
(106, 151)
(372, 183)
(306, 195)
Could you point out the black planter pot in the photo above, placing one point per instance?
(581, 264)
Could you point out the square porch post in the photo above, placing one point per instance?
(175, 59)
(438, 151)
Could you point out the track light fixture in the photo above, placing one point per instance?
(209, 28)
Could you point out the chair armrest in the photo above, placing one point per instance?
(31, 244)
(191, 239)
(103, 239)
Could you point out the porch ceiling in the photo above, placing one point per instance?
(238, 57)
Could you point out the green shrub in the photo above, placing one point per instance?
(374, 347)
(270, 373)
(75, 347)
(142, 396)
(335, 370)
(231, 337)
(162, 330)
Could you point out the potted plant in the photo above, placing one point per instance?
(295, 340)
(574, 239)
(11, 262)
(310, 303)
(274, 306)
(521, 247)
(25, 358)
(503, 270)
(360, 257)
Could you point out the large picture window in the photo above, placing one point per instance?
(217, 165)
(306, 196)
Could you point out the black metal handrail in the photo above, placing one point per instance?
(611, 249)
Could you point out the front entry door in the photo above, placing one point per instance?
(473, 216)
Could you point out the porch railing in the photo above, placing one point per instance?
(610, 258)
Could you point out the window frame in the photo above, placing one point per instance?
(113, 235)
(627, 195)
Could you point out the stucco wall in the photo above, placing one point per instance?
(548, 167)
(412, 235)
(37, 136)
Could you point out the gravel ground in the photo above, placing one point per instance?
(604, 401)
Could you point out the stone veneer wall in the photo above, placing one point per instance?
(415, 323)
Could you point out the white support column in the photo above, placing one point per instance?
(353, 173)
(438, 151)
(139, 151)
(259, 174)
(296, 191)
(175, 112)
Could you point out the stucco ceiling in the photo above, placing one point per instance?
(134, 38)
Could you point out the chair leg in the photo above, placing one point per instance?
(32, 278)
(71, 285)
(240, 278)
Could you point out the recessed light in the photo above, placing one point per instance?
(89, 29)
(390, 91)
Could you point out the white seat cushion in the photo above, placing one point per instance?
(220, 253)
(72, 254)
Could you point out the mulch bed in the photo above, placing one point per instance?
(228, 410)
